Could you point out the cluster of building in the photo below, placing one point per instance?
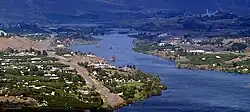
(201, 45)
(48, 66)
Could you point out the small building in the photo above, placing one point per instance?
(60, 46)
(67, 55)
(196, 51)
(218, 57)
(161, 44)
(54, 78)
(3, 33)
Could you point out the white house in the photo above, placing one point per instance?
(196, 51)
(218, 57)
(67, 55)
(60, 46)
(3, 33)
(54, 78)
(161, 44)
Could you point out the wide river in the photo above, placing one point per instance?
(189, 90)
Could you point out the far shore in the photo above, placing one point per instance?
(180, 63)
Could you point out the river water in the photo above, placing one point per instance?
(189, 90)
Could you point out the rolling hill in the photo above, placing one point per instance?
(27, 10)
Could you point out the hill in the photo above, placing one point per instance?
(40, 10)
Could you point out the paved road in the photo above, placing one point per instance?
(108, 97)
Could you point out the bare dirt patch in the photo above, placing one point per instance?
(22, 43)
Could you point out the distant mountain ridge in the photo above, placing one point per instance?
(11, 10)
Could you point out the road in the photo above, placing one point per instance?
(108, 97)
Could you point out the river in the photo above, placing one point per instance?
(189, 90)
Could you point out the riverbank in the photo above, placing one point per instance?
(126, 82)
(114, 92)
(223, 92)
(214, 61)
(118, 86)
(85, 42)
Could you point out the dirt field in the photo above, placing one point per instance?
(22, 43)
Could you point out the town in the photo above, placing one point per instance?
(42, 72)
(209, 53)
(31, 78)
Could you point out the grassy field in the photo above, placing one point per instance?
(208, 59)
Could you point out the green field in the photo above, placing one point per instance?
(210, 58)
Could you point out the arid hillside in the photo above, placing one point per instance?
(22, 43)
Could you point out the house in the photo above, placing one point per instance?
(67, 55)
(165, 34)
(218, 57)
(54, 78)
(95, 73)
(53, 93)
(53, 69)
(47, 75)
(60, 46)
(196, 51)
(3, 33)
(35, 59)
(68, 82)
(161, 44)
(90, 55)
(84, 91)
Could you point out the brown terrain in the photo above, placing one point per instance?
(21, 43)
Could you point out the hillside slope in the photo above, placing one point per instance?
(38, 9)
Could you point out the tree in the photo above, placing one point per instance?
(26, 72)
(40, 73)
(116, 73)
(133, 67)
(44, 53)
(86, 64)
(235, 64)
(16, 51)
(33, 68)
(10, 50)
(61, 79)
(75, 78)
(80, 63)
(31, 49)
(238, 46)
(38, 53)
(26, 50)
(13, 71)
(93, 88)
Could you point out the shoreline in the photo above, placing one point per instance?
(194, 67)
(127, 102)
(86, 42)
(180, 65)
(112, 100)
